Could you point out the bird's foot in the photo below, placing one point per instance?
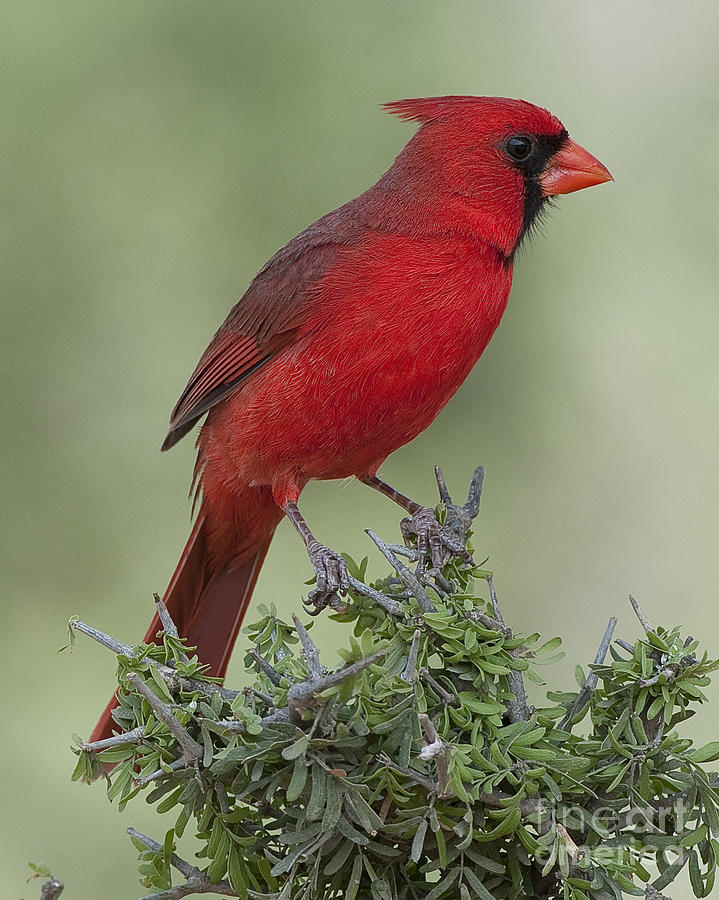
(435, 543)
(332, 579)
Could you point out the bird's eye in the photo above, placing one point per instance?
(519, 148)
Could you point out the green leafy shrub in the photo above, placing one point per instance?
(417, 769)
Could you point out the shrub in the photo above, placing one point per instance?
(417, 769)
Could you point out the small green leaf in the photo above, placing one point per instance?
(477, 886)
(298, 780)
(40, 869)
(418, 841)
(694, 837)
(351, 833)
(318, 796)
(298, 748)
(355, 877)
(339, 857)
(235, 871)
(443, 885)
(707, 753)
(333, 810)
(695, 875)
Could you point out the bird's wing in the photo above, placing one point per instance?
(262, 323)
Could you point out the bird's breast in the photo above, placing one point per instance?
(395, 329)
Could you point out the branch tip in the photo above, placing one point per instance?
(136, 736)
(591, 681)
(640, 614)
(269, 670)
(117, 647)
(51, 889)
(388, 604)
(435, 749)
(309, 649)
(166, 620)
(410, 670)
(474, 495)
(404, 572)
(196, 881)
(191, 750)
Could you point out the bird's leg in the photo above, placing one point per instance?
(421, 523)
(408, 505)
(434, 541)
(330, 568)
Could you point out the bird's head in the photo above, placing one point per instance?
(489, 164)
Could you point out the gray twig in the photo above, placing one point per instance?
(435, 749)
(458, 519)
(517, 709)
(669, 672)
(265, 698)
(51, 889)
(471, 506)
(303, 693)
(495, 800)
(528, 808)
(279, 716)
(231, 725)
(196, 881)
(168, 626)
(177, 682)
(410, 670)
(163, 614)
(640, 614)
(657, 739)
(625, 645)
(393, 607)
(444, 494)
(443, 587)
(493, 599)
(136, 736)
(441, 692)
(592, 679)
(475, 492)
(309, 649)
(410, 553)
(474, 615)
(405, 573)
(413, 774)
(117, 647)
(651, 893)
(191, 750)
(269, 670)
(176, 764)
(174, 681)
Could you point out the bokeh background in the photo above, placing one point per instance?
(154, 154)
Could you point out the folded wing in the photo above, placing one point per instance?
(262, 323)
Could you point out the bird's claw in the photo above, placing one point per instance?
(435, 542)
(332, 580)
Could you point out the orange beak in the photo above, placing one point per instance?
(572, 169)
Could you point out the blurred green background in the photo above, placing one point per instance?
(154, 154)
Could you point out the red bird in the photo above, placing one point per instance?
(351, 339)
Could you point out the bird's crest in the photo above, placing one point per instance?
(425, 109)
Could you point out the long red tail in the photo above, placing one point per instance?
(207, 607)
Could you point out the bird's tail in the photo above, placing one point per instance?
(207, 604)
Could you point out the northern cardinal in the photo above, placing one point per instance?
(349, 342)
